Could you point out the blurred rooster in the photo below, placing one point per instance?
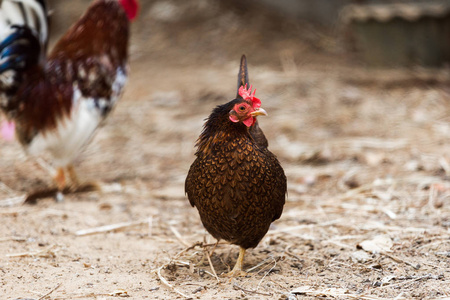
(236, 183)
(57, 101)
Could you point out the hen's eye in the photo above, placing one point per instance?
(241, 108)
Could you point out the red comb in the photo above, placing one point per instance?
(247, 94)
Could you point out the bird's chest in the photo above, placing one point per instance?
(70, 133)
(233, 179)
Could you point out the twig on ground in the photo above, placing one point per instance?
(274, 265)
(308, 226)
(399, 296)
(47, 252)
(399, 260)
(13, 201)
(279, 284)
(443, 253)
(289, 253)
(13, 238)
(424, 277)
(51, 291)
(236, 286)
(363, 188)
(333, 292)
(178, 236)
(112, 227)
(443, 240)
(262, 263)
(187, 249)
(164, 281)
(211, 265)
(214, 249)
(341, 245)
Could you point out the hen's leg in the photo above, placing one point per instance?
(237, 270)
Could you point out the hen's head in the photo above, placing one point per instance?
(248, 108)
(131, 8)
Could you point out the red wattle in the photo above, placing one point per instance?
(249, 121)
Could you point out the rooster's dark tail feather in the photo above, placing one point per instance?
(24, 28)
(19, 50)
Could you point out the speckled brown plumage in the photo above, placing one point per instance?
(258, 135)
(236, 183)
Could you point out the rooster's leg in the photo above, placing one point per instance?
(237, 270)
(77, 186)
(60, 179)
(62, 188)
(73, 176)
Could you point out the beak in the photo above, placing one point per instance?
(259, 112)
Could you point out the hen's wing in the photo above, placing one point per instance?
(279, 183)
(192, 181)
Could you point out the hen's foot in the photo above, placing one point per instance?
(237, 270)
(236, 273)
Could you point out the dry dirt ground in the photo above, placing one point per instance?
(366, 155)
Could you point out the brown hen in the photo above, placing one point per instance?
(236, 183)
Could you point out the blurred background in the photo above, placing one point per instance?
(382, 33)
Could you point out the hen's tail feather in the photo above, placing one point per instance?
(242, 75)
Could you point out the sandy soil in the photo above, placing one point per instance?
(366, 155)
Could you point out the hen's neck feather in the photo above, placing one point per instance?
(219, 130)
